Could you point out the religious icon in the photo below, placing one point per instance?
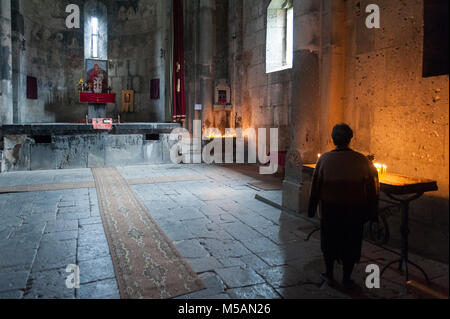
(97, 75)
(128, 101)
(223, 93)
(223, 97)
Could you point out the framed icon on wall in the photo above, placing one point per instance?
(97, 75)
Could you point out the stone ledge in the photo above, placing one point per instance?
(71, 129)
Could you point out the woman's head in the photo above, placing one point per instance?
(342, 135)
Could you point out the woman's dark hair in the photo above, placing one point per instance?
(342, 135)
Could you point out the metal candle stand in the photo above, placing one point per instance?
(404, 258)
(412, 187)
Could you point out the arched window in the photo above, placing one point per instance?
(95, 30)
(94, 37)
(280, 35)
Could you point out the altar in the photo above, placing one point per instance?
(69, 146)
(97, 103)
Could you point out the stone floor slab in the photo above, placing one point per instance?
(239, 277)
(206, 264)
(104, 289)
(50, 284)
(254, 292)
(93, 250)
(11, 295)
(96, 270)
(13, 280)
(224, 248)
(191, 249)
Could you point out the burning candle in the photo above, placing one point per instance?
(381, 169)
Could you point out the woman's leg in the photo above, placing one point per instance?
(329, 264)
(348, 270)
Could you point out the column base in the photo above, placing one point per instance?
(292, 199)
(96, 111)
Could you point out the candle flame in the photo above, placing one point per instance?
(221, 136)
(214, 133)
(381, 168)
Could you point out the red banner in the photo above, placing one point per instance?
(97, 98)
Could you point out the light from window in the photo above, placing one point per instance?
(280, 35)
(94, 24)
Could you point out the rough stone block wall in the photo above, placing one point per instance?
(139, 51)
(43, 47)
(263, 100)
(53, 54)
(6, 109)
(397, 114)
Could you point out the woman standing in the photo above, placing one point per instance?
(346, 185)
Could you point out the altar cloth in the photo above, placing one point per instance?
(97, 98)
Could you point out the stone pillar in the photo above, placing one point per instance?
(6, 108)
(17, 43)
(96, 111)
(305, 110)
(292, 185)
(207, 36)
(191, 45)
(235, 44)
(333, 48)
(167, 60)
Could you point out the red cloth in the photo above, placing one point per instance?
(102, 124)
(179, 98)
(32, 88)
(155, 89)
(97, 98)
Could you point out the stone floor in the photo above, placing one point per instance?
(239, 246)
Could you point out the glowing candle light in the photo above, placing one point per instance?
(381, 169)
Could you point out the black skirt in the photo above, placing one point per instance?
(342, 231)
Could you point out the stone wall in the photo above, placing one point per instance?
(139, 45)
(372, 79)
(139, 51)
(238, 29)
(44, 48)
(261, 100)
(398, 114)
(6, 110)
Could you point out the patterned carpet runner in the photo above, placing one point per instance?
(146, 263)
(81, 185)
(45, 187)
